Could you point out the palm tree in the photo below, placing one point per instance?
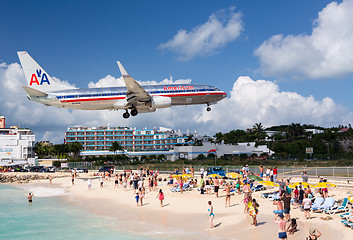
(258, 128)
(116, 147)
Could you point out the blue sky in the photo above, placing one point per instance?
(80, 41)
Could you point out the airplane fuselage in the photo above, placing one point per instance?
(106, 98)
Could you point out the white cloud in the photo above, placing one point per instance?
(326, 53)
(261, 101)
(222, 27)
(249, 102)
(110, 81)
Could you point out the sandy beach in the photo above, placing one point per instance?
(185, 215)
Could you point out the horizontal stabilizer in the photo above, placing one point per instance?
(34, 92)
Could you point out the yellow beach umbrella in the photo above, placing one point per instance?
(269, 183)
(325, 184)
(214, 175)
(233, 175)
(350, 199)
(186, 175)
(304, 184)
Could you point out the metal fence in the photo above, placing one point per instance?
(287, 171)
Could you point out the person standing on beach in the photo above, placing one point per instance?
(116, 181)
(101, 181)
(202, 185)
(73, 179)
(228, 189)
(275, 174)
(279, 205)
(306, 206)
(160, 196)
(211, 214)
(216, 186)
(286, 202)
(282, 234)
(305, 177)
(301, 195)
(261, 171)
(30, 196)
(50, 179)
(89, 184)
(137, 199)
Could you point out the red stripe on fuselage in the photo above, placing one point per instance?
(162, 95)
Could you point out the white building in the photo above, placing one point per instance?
(16, 144)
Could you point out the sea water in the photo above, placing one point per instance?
(50, 217)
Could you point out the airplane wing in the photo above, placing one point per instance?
(135, 93)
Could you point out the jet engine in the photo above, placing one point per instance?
(161, 102)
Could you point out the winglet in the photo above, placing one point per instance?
(122, 70)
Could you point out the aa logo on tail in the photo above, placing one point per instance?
(43, 78)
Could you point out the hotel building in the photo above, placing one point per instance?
(15, 143)
(131, 139)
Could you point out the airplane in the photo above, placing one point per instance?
(42, 88)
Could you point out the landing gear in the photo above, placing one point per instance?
(208, 107)
(134, 112)
(126, 114)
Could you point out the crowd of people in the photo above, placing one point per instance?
(146, 179)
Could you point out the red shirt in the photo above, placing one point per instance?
(296, 192)
(275, 171)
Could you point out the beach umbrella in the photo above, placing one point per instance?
(233, 175)
(350, 199)
(254, 177)
(269, 183)
(325, 184)
(214, 175)
(304, 184)
(186, 175)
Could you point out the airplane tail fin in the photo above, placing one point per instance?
(37, 78)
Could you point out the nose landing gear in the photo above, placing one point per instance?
(208, 107)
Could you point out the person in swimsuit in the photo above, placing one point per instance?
(282, 234)
(245, 201)
(160, 196)
(216, 186)
(141, 196)
(228, 189)
(50, 179)
(313, 235)
(73, 179)
(89, 184)
(211, 214)
(292, 228)
(137, 199)
(29, 197)
(116, 181)
(253, 210)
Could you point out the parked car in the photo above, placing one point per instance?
(216, 170)
(106, 169)
(38, 169)
(51, 169)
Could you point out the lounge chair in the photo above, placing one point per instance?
(328, 204)
(346, 215)
(317, 203)
(346, 223)
(267, 195)
(257, 188)
(186, 187)
(335, 209)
